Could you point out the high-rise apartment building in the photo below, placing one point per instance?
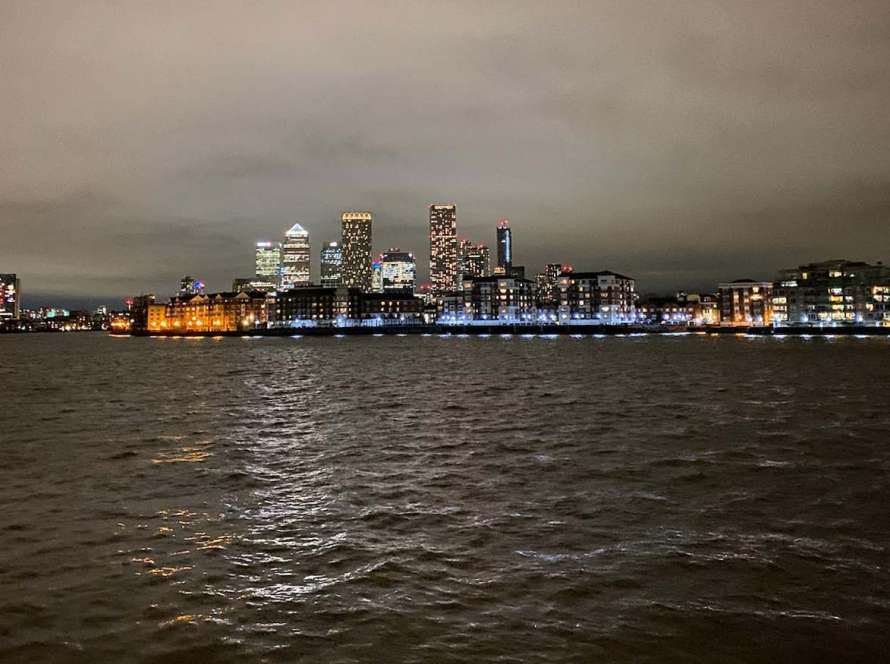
(268, 263)
(10, 296)
(398, 270)
(331, 264)
(548, 283)
(295, 258)
(356, 231)
(473, 259)
(505, 246)
(444, 275)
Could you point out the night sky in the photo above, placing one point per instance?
(682, 143)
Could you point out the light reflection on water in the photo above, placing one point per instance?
(401, 499)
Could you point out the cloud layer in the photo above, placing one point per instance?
(682, 143)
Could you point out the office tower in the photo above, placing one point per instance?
(473, 259)
(443, 249)
(295, 258)
(268, 263)
(505, 246)
(331, 264)
(399, 270)
(356, 267)
(10, 296)
(188, 285)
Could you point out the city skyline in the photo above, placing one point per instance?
(655, 141)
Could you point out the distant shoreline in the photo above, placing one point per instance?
(519, 330)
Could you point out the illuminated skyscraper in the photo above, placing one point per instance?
(268, 263)
(356, 229)
(548, 282)
(10, 296)
(295, 258)
(443, 249)
(399, 270)
(331, 264)
(473, 259)
(505, 246)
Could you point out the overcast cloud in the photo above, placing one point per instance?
(681, 143)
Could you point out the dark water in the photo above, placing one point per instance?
(636, 499)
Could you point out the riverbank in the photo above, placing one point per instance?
(524, 329)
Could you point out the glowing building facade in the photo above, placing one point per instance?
(268, 264)
(295, 258)
(356, 237)
(473, 259)
(606, 297)
(10, 296)
(200, 313)
(745, 302)
(548, 283)
(500, 298)
(505, 246)
(444, 276)
(833, 292)
(398, 270)
(331, 264)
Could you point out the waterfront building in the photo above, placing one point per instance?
(331, 264)
(832, 292)
(356, 249)
(680, 309)
(401, 305)
(443, 249)
(320, 305)
(548, 283)
(137, 308)
(502, 298)
(188, 285)
(603, 296)
(200, 312)
(398, 270)
(505, 246)
(295, 258)
(268, 263)
(745, 302)
(10, 296)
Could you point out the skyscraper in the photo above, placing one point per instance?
(505, 246)
(268, 263)
(399, 270)
(548, 282)
(356, 229)
(473, 259)
(331, 264)
(295, 258)
(10, 296)
(443, 249)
